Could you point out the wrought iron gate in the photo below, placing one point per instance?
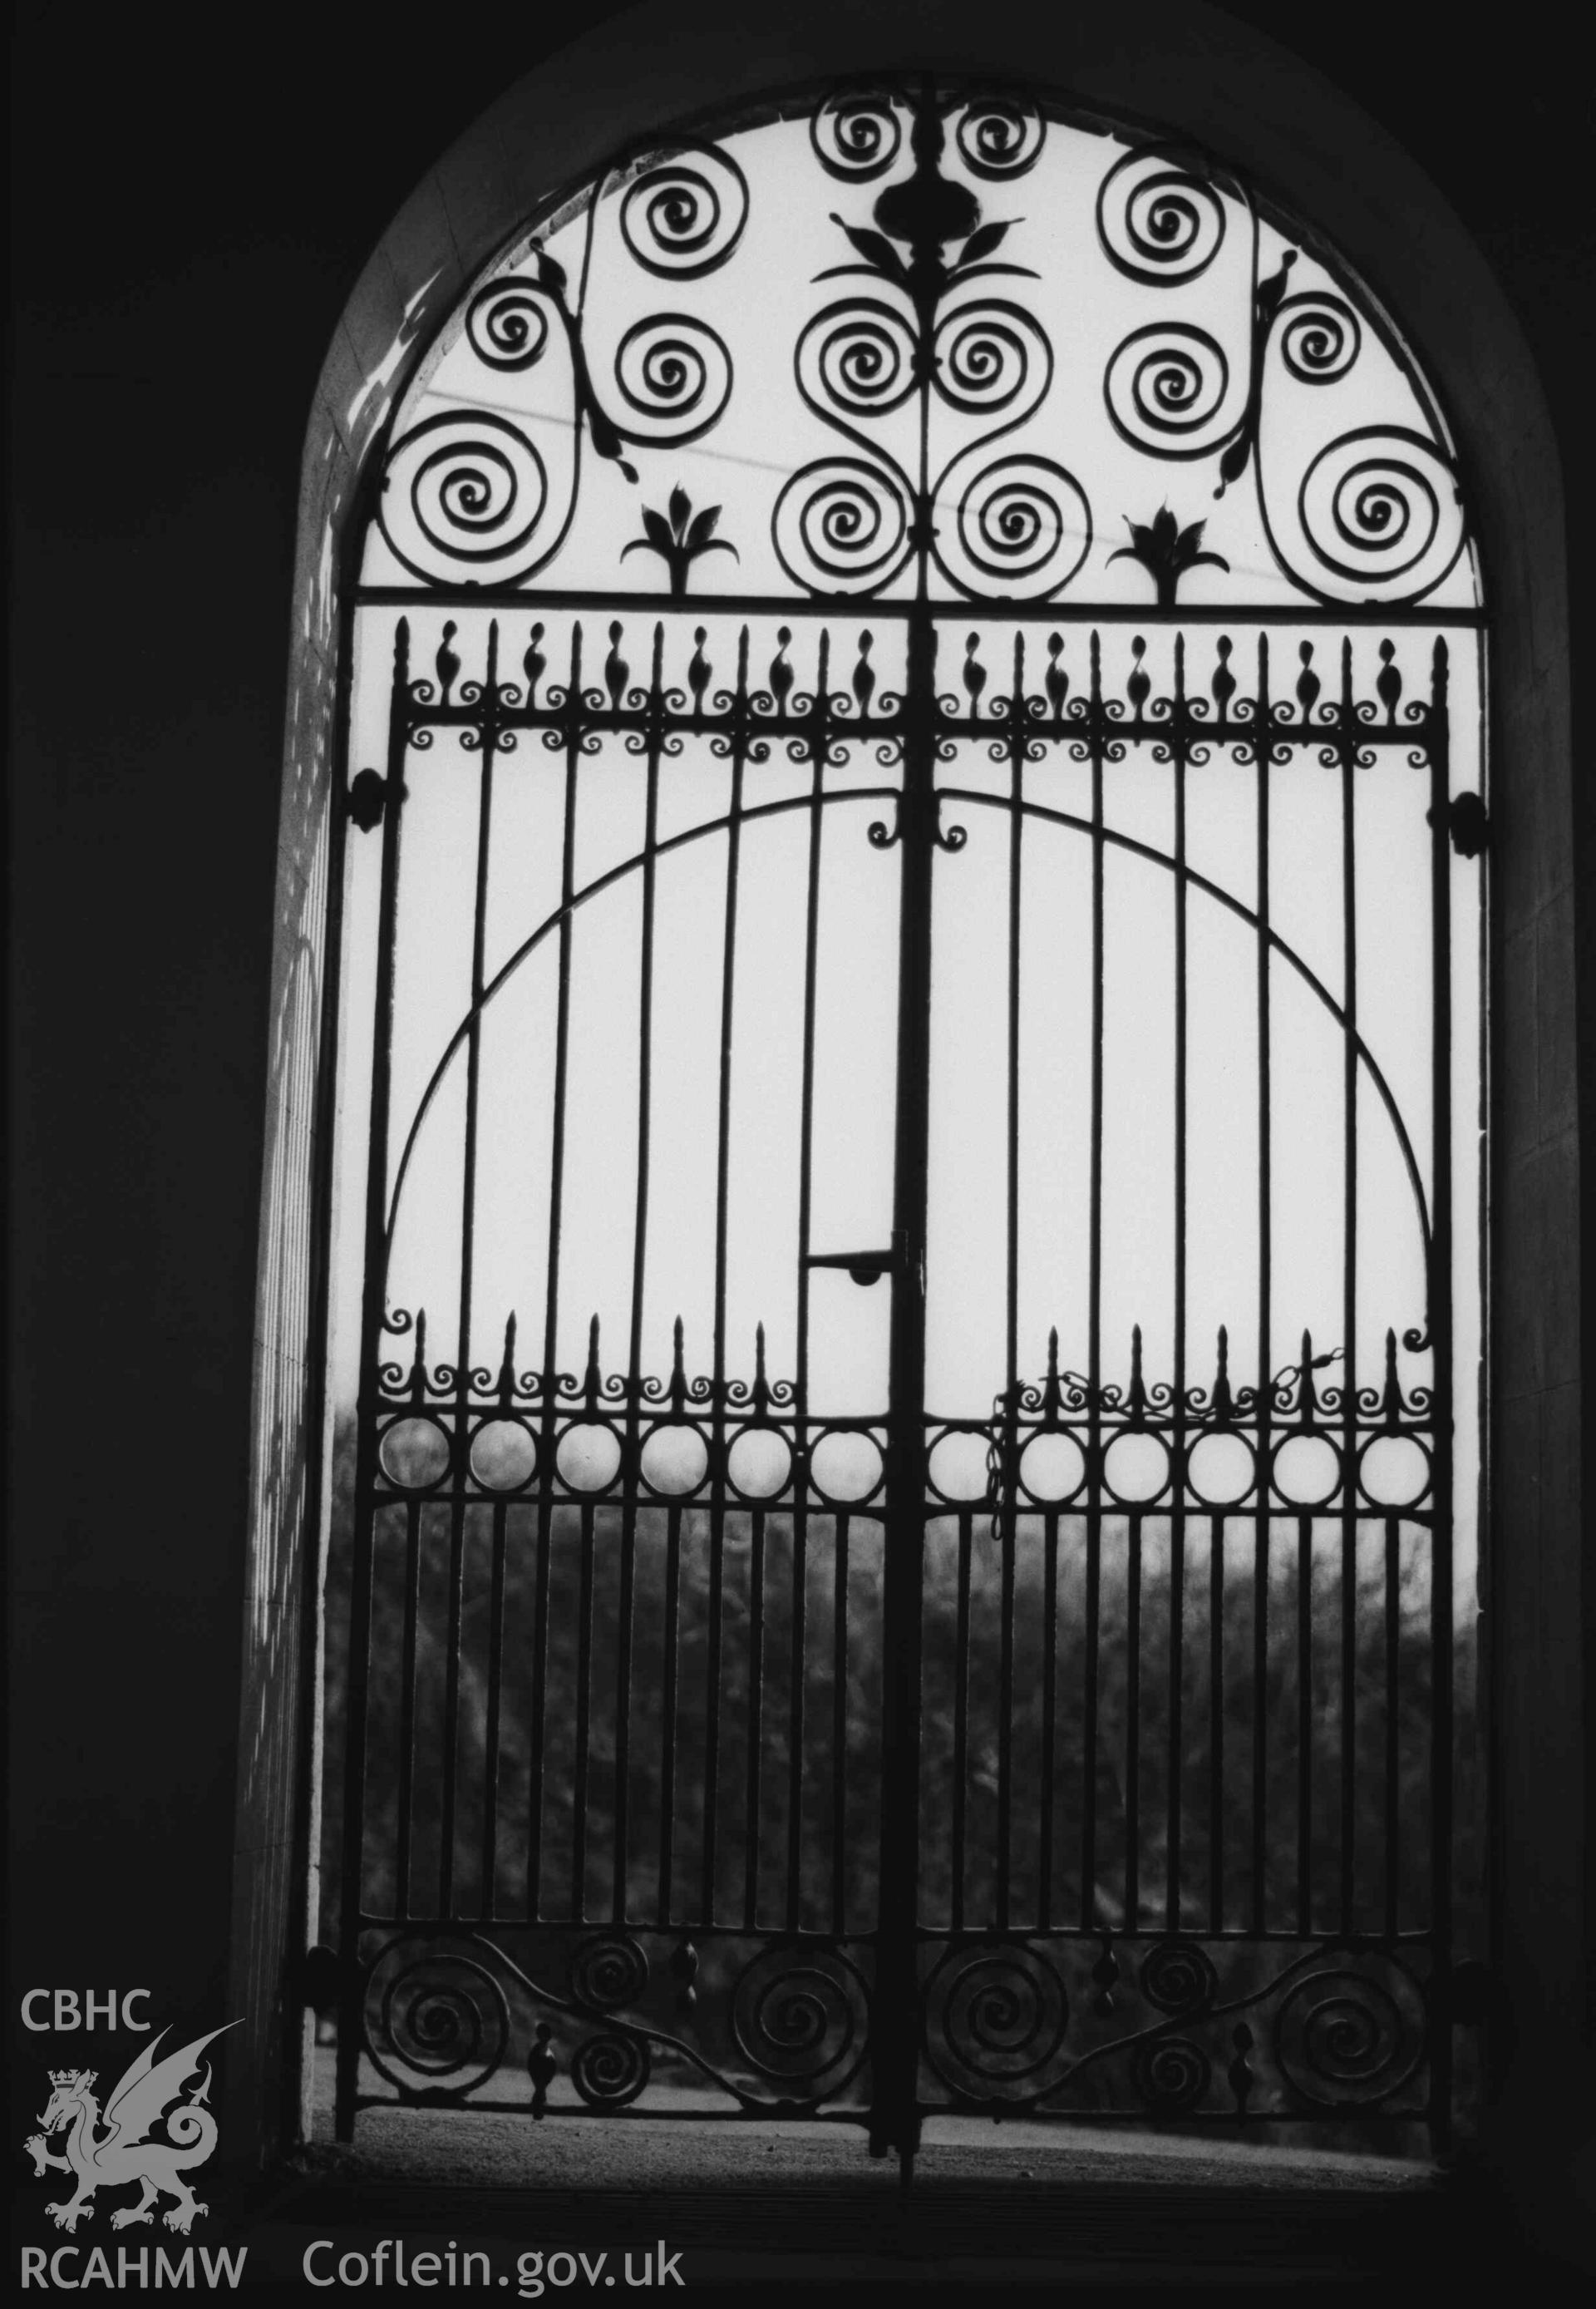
(720, 1739)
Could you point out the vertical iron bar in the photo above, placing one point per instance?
(487, 730)
(1133, 1724)
(819, 745)
(1216, 1726)
(960, 1719)
(795, 1717)
(1349, 1645)
(668, 1704)
(1263, 751)
(751, 1798)
(546, 1443)
(1008, 1522)
(584, 1673)
(1178, 749)
(1098, 738)
(1440, 1333)
(373, 1323)
(839, 1907)
(487, 1906)
(1392, 1668)
(1305, 1716)
(653, 741)
(1044, 1858)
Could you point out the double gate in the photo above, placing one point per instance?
(918, 1673)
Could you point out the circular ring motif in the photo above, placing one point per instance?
(957, 1466)
(504, 1455)
(1394, 1471)
(1178, 1977)
(675, 376)
(856, 137)
(1137, 1467)
(798, 2018)
(414, 1454)
(588, 1455)
(674, 1460)
(1219, 1469)
(841, 527)
(508, 324)
(1344, 2040)
(1166, 389)
(846, 1467)
(1159, 223)
(1171, 2074)
(858, 356)
(684, 216)
(1052, 1468)
(1379, 510)
(1000, 136)
(1320, 337)
(1306, 1471)
(465, 491)
(609, 2070)
(434, 2015)
(995, 2019)
(609, 1970)
(759, 1463)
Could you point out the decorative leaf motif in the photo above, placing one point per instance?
(982, 243)
(681, 540)
(702, 527)
(1166, 551)
(681, 505)
(874, 247)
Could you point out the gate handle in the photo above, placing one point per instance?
(864, 1266)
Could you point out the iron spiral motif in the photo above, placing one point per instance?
(841, 527)
(683, 216)
(997, 2017)
(1159, 222)
(465, 493)
(435, 2016)
(508, 324)
(1000, 136)
(1168, 390)
(1022, 526)
(1178, 1977)
(992, 356)
(674, 377)
(609, 2069)
(1171, 2074)
(798, 2017)
(1320, 337)
(607, 1971)
(1379, 510)
(1347, 2038)
(859, 356)
(856, 136)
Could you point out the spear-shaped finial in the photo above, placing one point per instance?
(508, 1368)
(761, 1393)
(419, 1365)
(1308, 1397)
(590, 1382)
(678, 1374)
(1135, 1401)
(1391, 1399)
(1224, 1405)
(1052, 1400)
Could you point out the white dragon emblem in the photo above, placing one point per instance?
(125, 2153)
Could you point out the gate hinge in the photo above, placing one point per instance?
(1468, 823)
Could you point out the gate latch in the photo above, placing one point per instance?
(863, 1267)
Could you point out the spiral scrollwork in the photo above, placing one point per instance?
(1171, 2074)
(841, 527)
(798, 2017)
(508, 324)
(607, 1971)
(464, 492)
(1345, 2039)
(1379, 512)
(1177, 1977)
(856, 136)
(1168, 390)
(684, 216)
(1159, 222)
(434, 2015)
(859, 356)
(1022, 527)
(1000, 136)
(1319, 337)
(996, 2021)
(674, 377)
(991, 356)
(609, 2068)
